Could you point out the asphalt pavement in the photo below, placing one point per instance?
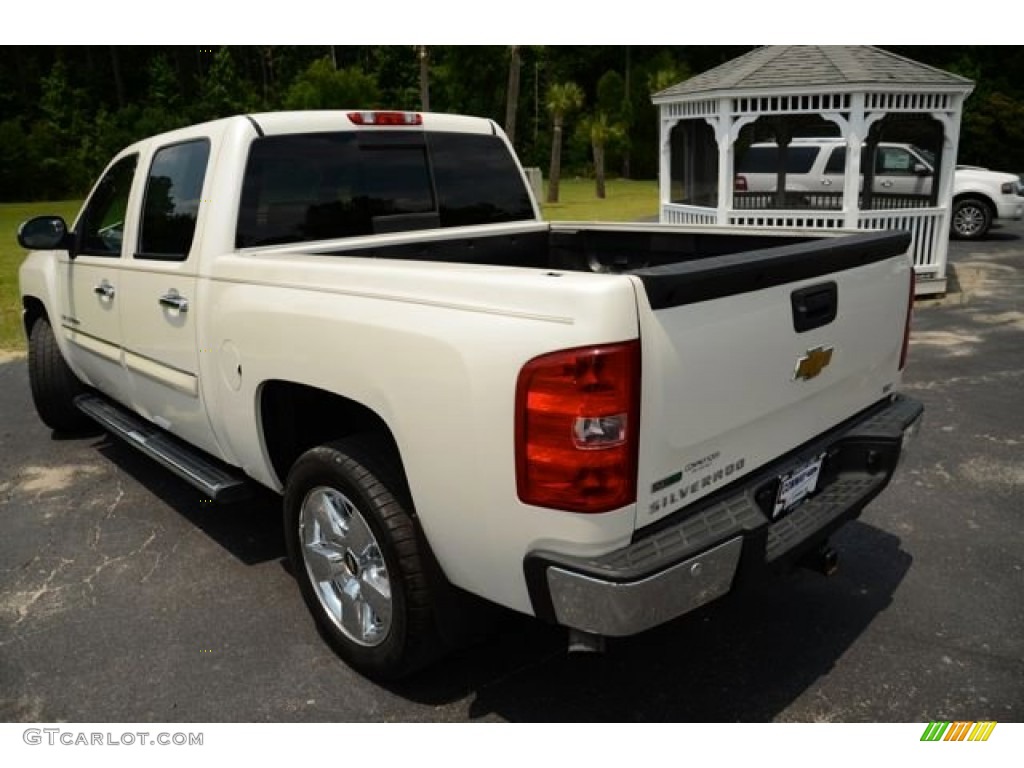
(125, 597)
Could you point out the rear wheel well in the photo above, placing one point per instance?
(297, 417)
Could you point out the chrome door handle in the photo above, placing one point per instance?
(104, 290)
(826, 182)
(174, 300)
(886, 183)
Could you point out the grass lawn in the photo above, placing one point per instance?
(626, 201)
(11, 256)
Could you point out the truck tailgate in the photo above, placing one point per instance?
(743, 360)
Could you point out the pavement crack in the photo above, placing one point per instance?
(97, 530)
(152, 570)
(23, 602)
(109, 561)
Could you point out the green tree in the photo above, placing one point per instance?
(470, 80)
(562, 99)
(613, 102)
(611, 91)
(224, 91)
(163, 88)
(55, 138)
(601, 132)
(664, 78)
(16, 169)
(322, 86)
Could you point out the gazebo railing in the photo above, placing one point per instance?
(928, 244)
(823, 201)
(925, 227)
(785, 219)
(689, 214)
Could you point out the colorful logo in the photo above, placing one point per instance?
(958, 731)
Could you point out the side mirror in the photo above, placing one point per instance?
(43, 233)
(921, 169)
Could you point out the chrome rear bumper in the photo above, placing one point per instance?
(701, 553)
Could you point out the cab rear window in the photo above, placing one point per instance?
(305, 187)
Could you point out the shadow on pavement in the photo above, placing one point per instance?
(1000, 235)
(745, 658)
(250, 530)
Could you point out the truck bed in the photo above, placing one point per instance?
(645, 249)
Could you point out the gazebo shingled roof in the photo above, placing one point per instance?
(833, 66)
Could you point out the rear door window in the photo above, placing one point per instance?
(171, 206)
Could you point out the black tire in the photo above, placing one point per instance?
(54, 385)
(972, 218)
(364, 471)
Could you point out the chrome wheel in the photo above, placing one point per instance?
(355, 551)
(970, 219)
(345, 566)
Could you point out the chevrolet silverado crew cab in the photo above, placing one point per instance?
(363, 311)
(903, 171)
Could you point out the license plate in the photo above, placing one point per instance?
(795, 486)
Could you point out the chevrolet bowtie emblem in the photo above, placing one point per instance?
(812, 363)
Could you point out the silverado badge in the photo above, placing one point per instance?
(812, 363)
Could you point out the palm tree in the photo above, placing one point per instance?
(600, 132)
(562, 99)
(666, 78)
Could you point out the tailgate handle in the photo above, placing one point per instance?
(814, 306)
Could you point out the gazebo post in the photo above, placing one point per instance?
(726, 162)
(950, 122)
(783, 137)
(854, 130)
(868, 193)
(665, 162)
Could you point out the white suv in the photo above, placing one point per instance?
(814, 173)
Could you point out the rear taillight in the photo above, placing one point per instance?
(577, 427)
(906, 326)
(386, 118)
(741, 184)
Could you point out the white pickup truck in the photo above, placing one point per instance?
(605, 427)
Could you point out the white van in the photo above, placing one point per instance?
(903, 172)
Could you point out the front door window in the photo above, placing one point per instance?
(102, 226)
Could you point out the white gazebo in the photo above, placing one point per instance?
(784, 97)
